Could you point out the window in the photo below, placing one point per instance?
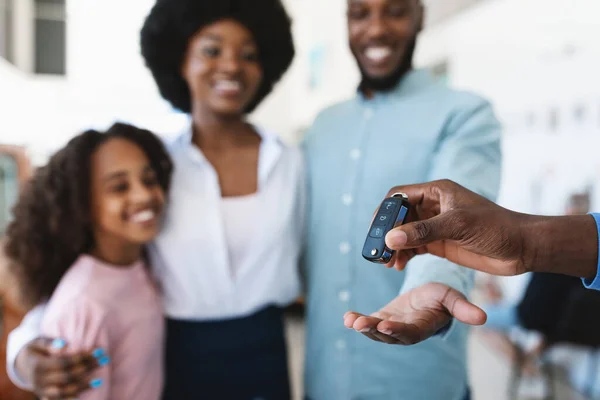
(50, 37)
(9, 187)
(6, 28)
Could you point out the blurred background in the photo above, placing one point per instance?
(67, 65)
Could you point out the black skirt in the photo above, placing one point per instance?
(238, 359)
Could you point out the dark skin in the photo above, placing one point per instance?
(55, 375)
(225, 52)
(380, 33)
(123, 185)
(223, 73)
(456, 224)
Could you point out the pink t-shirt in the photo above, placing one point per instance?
(118, 309)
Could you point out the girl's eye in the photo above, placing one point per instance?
(150, 180)
(120, 188)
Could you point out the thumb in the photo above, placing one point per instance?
(462, 309)
(46, 346)
(420, 233)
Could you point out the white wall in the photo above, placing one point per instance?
(513, 50)
(529, 57)
(508, 50)
(319, 27)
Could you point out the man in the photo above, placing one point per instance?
(401, 125)
(463, 227)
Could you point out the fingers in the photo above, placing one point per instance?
(350, 318)
(416, 234)
(415, 193)
(462, 309)
(78, 372)
(66, 376)
(360, 323)
(468, 313)
(452, 225)
(45, 346)
(402, 258)
(368, 326)
(71, 362)
(71, 391)
(402, 333)
(365, 324)
(66, 370)
(382, 330)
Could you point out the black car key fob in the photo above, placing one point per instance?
(393, 211)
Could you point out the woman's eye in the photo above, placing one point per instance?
(251, 56)
(211, 51)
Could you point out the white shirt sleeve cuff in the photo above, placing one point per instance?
(30, 329)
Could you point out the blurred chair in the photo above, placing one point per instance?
(563, 312)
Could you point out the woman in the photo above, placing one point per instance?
(227, 257)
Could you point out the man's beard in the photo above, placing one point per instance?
(389, 82)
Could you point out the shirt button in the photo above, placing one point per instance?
(344, 247)
(344, 296)
(340, 345)
(368, 114)
(355, 154)
(347, 199)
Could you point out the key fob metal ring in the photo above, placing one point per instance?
(393, 211)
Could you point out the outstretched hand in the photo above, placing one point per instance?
(416, 315)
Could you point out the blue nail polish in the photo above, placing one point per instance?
(98, 353)
(96, 383)
(58, 344)
(104, 361)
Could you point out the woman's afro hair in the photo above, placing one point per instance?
(172, 23)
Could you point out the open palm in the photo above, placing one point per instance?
(416, 315)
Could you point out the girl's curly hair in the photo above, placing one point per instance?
(52, 223)
(171, 23)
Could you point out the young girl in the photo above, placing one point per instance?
(78, 241)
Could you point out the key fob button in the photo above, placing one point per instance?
(382, 219)
(377, 232)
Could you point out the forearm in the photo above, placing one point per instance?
(15, 359)
(427, 268)
(563, 245)
(17, 341)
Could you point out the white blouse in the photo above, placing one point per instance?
(240, 217)
(212, 267)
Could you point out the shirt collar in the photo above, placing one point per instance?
(271, 148)
(414, 81)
